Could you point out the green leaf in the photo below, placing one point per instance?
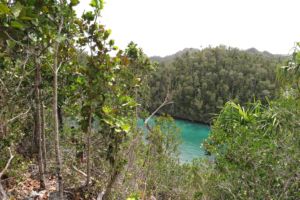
(88, 16)
(298, 57)
(16, 9)
(107, 34)
(80, 80)
(17, 24)
(74, 2)
(107, 109)
(94, 3)
(125, 127)
(26, 18)
(45, 9)
(11, 43)
(111, 42)
(98, 4)
(4, 9)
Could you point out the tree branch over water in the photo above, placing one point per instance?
(167, 101)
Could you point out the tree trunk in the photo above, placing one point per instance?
(56, 66)
(109, 186)
(44, 149)
(34, 142)
(56, 129)
(60, 118)
(88, 162)
(38, 127)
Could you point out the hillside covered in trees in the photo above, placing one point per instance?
(70, 101)
(201, 82)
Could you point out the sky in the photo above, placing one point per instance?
(163, 27)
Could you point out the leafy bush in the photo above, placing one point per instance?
(255, 150)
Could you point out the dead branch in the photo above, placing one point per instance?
(82, 173)
(3, 195)
(22, 77)
(8, 163)
(18, 116)
(100, 195)
(10, 37)
(166, 102)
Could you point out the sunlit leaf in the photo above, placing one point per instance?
(98, 4)
(26, 18)
(74, 2)
(4, 9)
(16, 9)
(107, 109)
(94, 3)
(17, 24)
(125, 127)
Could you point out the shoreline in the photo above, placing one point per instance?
(194, 121)
(182, 118)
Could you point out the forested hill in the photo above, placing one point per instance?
(201, 81)
(173, 56)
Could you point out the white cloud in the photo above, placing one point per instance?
(162, 27)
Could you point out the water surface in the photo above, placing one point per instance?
(193, 135)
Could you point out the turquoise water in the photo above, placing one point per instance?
(192, 136)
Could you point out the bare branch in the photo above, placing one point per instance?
(82, 173)
(8, 163)
(166, 102)
(59, 66)
(3, 195)
(100, 195)
(12, 38)
(18, 116)
(22, 78)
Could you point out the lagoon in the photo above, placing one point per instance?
(192, 135)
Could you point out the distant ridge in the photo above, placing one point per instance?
(177, 54)
(193, 50)
(265, 53)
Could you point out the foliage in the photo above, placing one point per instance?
(255, 151)
(156, 170)
(96, 91)
(201, 82)
(103, 91)
(289, 75)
